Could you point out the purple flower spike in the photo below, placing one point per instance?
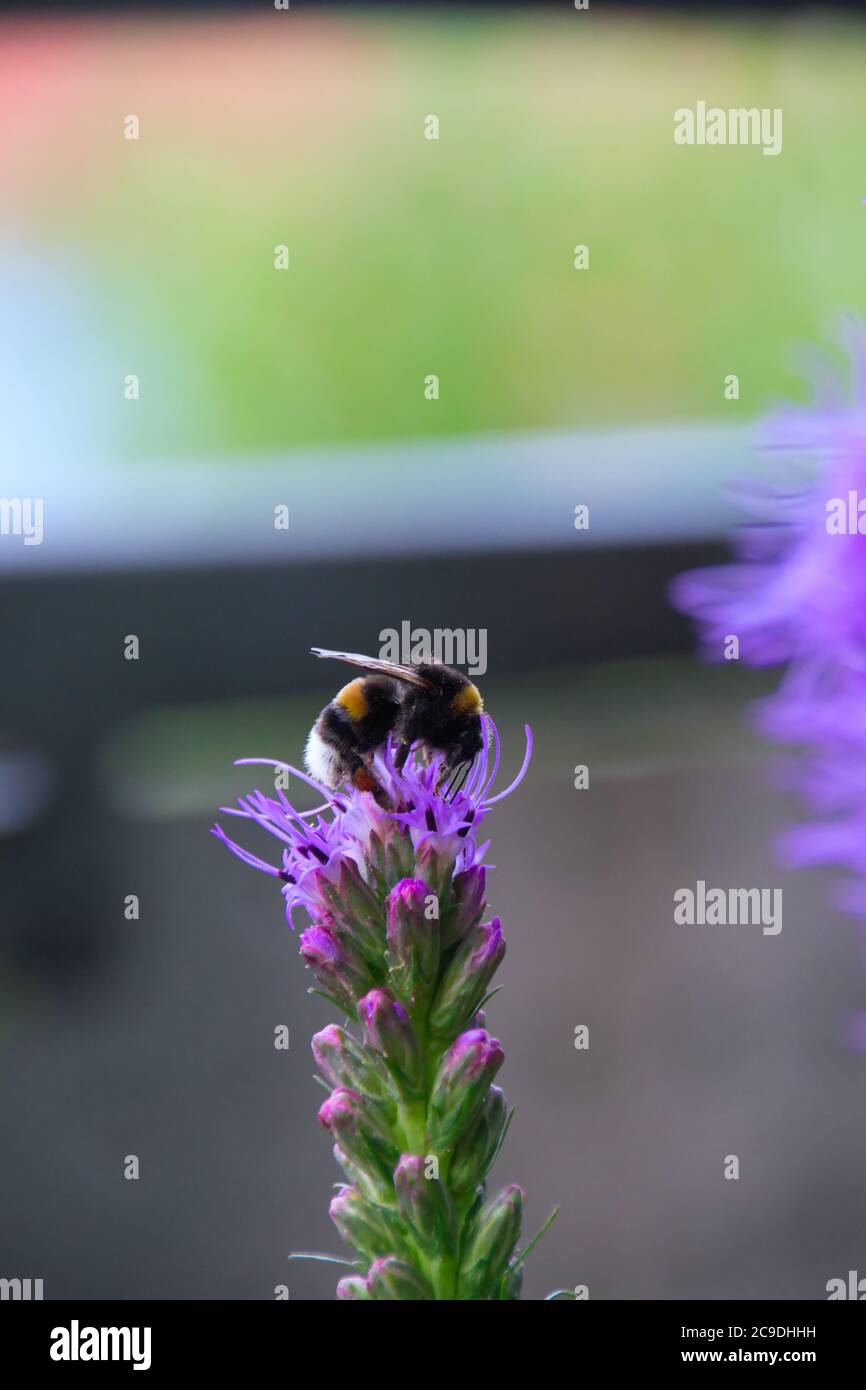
(394, 887)
(796, 595)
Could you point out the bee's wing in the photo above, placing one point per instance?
(372, 663)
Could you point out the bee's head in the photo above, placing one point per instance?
(467, 745)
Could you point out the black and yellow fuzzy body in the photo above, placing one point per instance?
(444, 715)
(350, 729)
(429, 704)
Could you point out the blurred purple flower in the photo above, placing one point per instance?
(796, 595)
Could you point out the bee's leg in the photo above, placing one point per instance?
(401, 755)
(459, 780)
(452, 780)
(363, 780)
(447, 778)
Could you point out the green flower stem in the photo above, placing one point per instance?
(413, 1122)
(412, 1118)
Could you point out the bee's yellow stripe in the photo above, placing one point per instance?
(353, 700)
(468, 700)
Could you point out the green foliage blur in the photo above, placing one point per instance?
(411, 256)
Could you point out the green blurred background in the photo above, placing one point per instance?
(411, 256)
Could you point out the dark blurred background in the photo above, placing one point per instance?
(305, 389)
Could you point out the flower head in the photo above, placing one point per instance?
(796, 595)
(797, 591)
(352, 836)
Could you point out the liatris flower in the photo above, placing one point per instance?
(797, 595)
(395, 896)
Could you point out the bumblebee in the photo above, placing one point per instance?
(429, 703)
